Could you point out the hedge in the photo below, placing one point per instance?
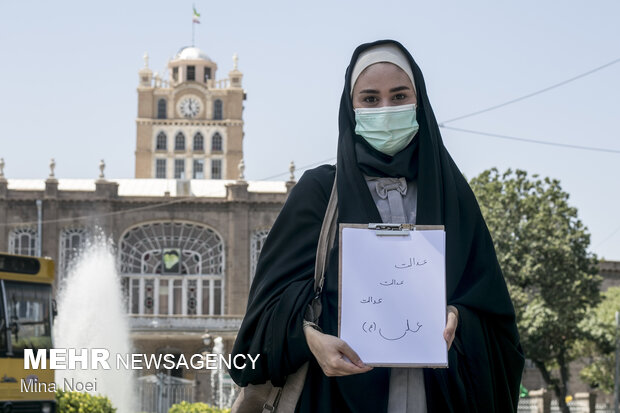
(185, 407)
(77, 402)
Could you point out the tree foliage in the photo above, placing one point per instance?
(552, 278)
(600, 323)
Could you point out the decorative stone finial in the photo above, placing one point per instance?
(146, 60)
(52, 167)
(101, 168)
(235, 61)
(241, 170)
(1, 168)
(291, 168)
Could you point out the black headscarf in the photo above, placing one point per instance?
(485, 361)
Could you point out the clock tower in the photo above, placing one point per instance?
(190, 125)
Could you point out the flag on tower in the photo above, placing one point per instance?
(196, 17)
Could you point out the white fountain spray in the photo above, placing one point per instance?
(90, 315)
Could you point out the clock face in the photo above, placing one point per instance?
(189, 106)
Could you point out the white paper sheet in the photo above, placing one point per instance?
(393, 297)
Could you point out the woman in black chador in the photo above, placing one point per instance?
(392, 167)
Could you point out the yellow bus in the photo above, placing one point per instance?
(26, 312)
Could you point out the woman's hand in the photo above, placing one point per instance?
(451, 324)
(334, 355)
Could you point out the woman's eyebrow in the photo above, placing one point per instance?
(399, 88)
(369, 91)
(396, 89)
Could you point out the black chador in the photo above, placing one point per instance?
(485, 360)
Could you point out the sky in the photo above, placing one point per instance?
(69, 72)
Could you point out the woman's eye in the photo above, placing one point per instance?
(370, 99)
(400, 96)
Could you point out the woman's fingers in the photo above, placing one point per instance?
(335, 356)
(345, 361)
(350, 354)
(451, 324)
(341, 366)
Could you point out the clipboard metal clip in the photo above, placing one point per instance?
(391, 229)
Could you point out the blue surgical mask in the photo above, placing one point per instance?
(388, 129)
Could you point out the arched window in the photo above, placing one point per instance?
(162, 142)
(216, 142)
(218, 112)
(256, 245)
(173, 268)
(72, 242)
(161, 109)
(23, 241)
(179, 142)
(199, 142)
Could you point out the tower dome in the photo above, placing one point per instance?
(191, 53)
(191, 64)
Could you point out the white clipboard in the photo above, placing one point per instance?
(392, 293)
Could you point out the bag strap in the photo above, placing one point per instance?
(326, 240)
(284, 399)
(273, 399)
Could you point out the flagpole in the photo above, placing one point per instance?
(195, 19)
(193, 24)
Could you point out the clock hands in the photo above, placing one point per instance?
(190, 107)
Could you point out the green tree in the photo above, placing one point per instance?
(601, 325)
(552, 278)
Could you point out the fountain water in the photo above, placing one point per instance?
(90, 315)
(223, 390)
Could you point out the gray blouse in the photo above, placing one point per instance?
(396, 200)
